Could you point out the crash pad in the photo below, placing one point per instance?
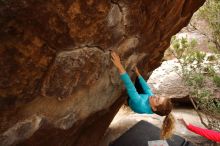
(143, 133)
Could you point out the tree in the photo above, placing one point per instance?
(198, 70)
(209, 14)
(196, 67)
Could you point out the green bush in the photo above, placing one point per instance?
(210, 12)
(216, 80)
(198, 74)
(196, 67)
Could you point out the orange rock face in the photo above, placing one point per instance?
(57, 83)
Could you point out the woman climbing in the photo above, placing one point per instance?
(146, 102)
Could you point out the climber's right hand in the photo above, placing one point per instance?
(117, 62)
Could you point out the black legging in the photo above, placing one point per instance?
(138, 87)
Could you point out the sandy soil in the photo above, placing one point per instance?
(126, 119)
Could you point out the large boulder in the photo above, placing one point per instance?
(166, 81)
(57, 83)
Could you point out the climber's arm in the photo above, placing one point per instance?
(132, 92)
(209, 134)
(143, 83)
(117, 62)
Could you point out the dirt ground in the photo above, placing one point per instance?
(125, 119)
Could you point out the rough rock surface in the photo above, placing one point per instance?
(165, 81)
(57, 83)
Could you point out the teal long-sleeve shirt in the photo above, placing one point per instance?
(139, 103)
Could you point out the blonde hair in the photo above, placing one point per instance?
(168, 122)
(167, 127)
